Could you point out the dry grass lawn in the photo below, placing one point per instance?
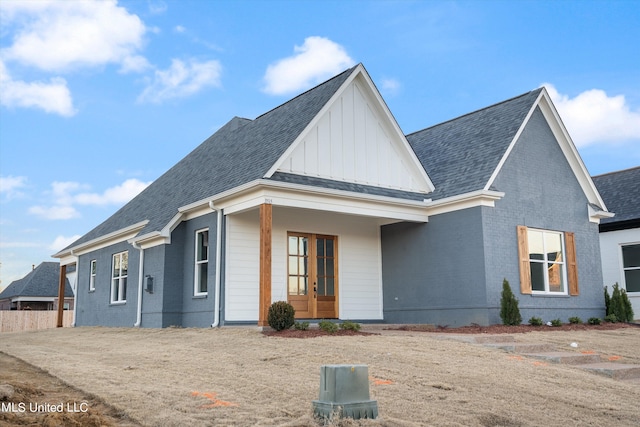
(239, 377)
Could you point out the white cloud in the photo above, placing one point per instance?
(157, 7)
(594, 117)
(316, 60)
(119, 194)
(181, 80)
(53, 96)
(62, 242)
(179, 29)
(67, 195)
(61, 35)
(390, 86)
(10, 185)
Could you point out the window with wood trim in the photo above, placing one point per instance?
(631, 267)
(202, 263)
(119, 277)
(92, 275)
(547, 262)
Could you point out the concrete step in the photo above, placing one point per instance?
(515, 347)
(500, 338)
(618, 371)
(567, 358)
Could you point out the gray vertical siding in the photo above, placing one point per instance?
(434, 272)
(541, 191)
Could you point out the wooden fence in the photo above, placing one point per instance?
(29, 320)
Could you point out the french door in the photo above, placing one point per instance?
(312, 275)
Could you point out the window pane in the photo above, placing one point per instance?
(330, 271)
(303, 286)
(93, 267)
(536, 247)
(632, 281)
(320, 266)
(631, 256)
(123, 283)
(293, 245)
(116, 265)
(330, 287)
(302, 246)
(124, 263)
(293, 265)
(556, 280)
(553, 246)
(203, 270)
(321, 287)
(330, 247)
(114, 289)
(303, 266)
(320, 247)
(293, 285)
(537, 276)
(203, 246)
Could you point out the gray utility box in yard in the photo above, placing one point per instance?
(344, 391)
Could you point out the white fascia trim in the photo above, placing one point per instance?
(360, 70)
(109, 239)
(36, 299)
(465, 201)
(595, 215)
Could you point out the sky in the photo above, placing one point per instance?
(99, 98)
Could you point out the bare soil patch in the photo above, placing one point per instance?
(313, 333)
(242, 377)
(516, 329)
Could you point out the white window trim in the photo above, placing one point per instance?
(92, 275)
(623, 277)
(196, 271)
(119, 278)
(546, 262)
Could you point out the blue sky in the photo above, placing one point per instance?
(98, 99)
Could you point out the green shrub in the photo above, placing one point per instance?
(281, 315)
(611, 318)
(509, 311)
(301, 326)
(620, 305)
(575, 320)
(556, 322)
(607, 301)
(350, 326)
(328, 326)
(535, 321)
(594, 321)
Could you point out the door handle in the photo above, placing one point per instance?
(315, 290)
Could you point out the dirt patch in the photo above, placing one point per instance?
(241, 377)
(518, 329)
(30, 396)
(313, 333)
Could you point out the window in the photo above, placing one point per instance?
(547, 262)
(202, 262)
(631, 267)
(92, 275)
(119, 277)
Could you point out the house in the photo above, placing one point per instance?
(325, 203)
(38, 290)
(620, 235)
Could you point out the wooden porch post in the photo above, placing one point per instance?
(61, 283)
(266, 216)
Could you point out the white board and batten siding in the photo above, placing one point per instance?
(359, 261)
(353, 141)
(611, 244)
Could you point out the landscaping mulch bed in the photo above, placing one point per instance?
(519, 329)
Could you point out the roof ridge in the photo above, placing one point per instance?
(615, 172)
(476, 111)
(307, 91)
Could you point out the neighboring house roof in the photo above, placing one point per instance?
(621, 192)
(462, 154)
(42, 281)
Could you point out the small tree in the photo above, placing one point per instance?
(509, 311)
(628, 306)
(619, 305)
(607, 302)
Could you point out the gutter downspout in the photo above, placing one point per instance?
(140, 283)
(216, 313)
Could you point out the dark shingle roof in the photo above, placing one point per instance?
(42, 281)
(621, 193)
(241, 151)
(461, 155)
